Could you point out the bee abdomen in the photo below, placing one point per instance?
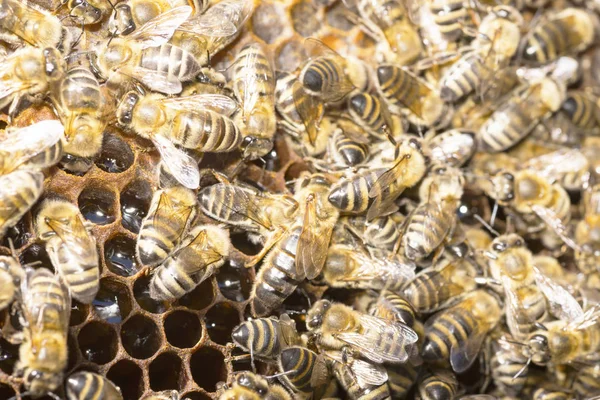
(352, 152)
(260, 336)
(367, 108)
(299, 362)
(157, 239)
(462, 78)
(80, 90)
(171, 60)
(425, 293)
(446, 331)
(426, 231)
(80, 272)
(23, 190)
(397, 85)
(581, 110)
(206, 131)
(400, 379)
(170, 281)
(47, 298)
(499, 134)
(352, 195)
(547, 42)
(451, 17)
(504, 372)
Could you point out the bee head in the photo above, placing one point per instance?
(539, 348)
(255, 147)
(505, 242)
(40, 382)
(314, 317)
(503, 186)
(252, 382)
(84, 12)
(122, 21)
(126, 107)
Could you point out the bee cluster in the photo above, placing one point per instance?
(362, 199)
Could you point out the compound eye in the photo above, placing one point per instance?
(499, 247)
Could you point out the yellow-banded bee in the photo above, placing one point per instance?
(28, 72)
(253, 82)
(300, 251)
(79, 102)
(265, 338)
(247, 385)
(433, 222)
(453, 147)
(90, 386)
(583, 110)
(509, 366)
(438, 385)
(401, 89)
(453, 17)
(199, 256)
(343, 152)
(586, 382)
(19, 192)
(438, 286)
(169, 216)
(568, 31)
(456, 334)
(43, 353)
(35, 147)
(371, 113)
(374, 190)
(22, 22)
(361, 380)
(71, 248)
(303, 370)
(382, 233)
(393, 307)
(337, 326)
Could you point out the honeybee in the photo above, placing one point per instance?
(79, 103)
(27, 73)
(360, 379)
(393, 307)
(303, 370)
(434, 221)
(168, 218)
(87, 12)
(498, 39)
(457, 333)
(300, 250)
(401, 89)
(509, 366)
(583, 110)
(266, 338)
(336, 326)
(43, 353)
(391, 19)
(454, 18)
(90, 386)
(247, 385)
(199, 256)
(438, 385)
(349, 267)
(146, 57)
(453, 147)
(569, 31)
(19, 191)
(514, 119)
(586, 382)
(253, 81)
(568, 167)
(440, 285)
(401, 378)
(290, 120)
(381, 233)
(371, 113)
(381, 185)
(198, 122)
(343, 152)
(23, 22)
(71, 248)
(35, 147)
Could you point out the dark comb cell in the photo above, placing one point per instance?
(119, 253)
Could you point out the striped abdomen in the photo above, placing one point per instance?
(298, 363)
(533, 310)
(90, 386)
(586, 382)
(393, 307)
(582, 110)
(349, 152)
(547, 394)
(229, 204)
(205, 130)
(401, 378)
(428, 227)
(259, 336)
(346, 378)
(428, 291)
(19, 190)
(382, 232)
(80, 90)
(367, 111)
(252, 71)
(46, 158)
(399, 88)
(321, 76)
(451, 16)
(505, 365)
(352, 195)
(79, 268)
(449, 329)
(47, 303)
(284, 98)
(172, 61)
(438, 387)
(277, 278)
(462, 78)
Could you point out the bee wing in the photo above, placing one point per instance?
(374, 331)
(463, 353)
(221, 20)
(558, 163)
(246, 204)
(553, 222)
(154, 80)
(183, 167)
(562, 304)
(368, 374)
(314, 240)
(589, 318)
(72, 233)
(287, 329)
(389, 177)
(515, 317)
(377, 269)
(160, 29)
(478, 397)
(320, 373)
(24, 143)
(337, 88)
(252, 81)
(34, 314)
(353, 131)
(310, 109)
(205, 101)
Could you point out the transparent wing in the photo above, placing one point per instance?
(464, 353)
(559, 163)
(588, 319)
(160, 29)
(377, 330)
(253, 78)
(334, 89)
(378, 271)
(215, 102)
(246, 204)
(183, 167)
(154, 80)
(389, 177)
(221, 20)
(562, 304)
(313, 242)
(22, 144)
(310, 109)
(516, 317)
(12, 86)
(73, 234)
(207, 253)
(353, 131)
(553, 222)
(39, 313)
(367, 374)
(287, 329)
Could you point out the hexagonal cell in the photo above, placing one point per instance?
(290, 55)
(135, 201)
(297, 305)
(268, 21)
(119, 253)
(241, 242)
(112, 303)
(34, 253)
(183, 329)
(337, 17)
(98, 204)
(142, 296)
(196, 396)
(19, 234)
(116, 156)
(74, 165)
(9, 355)
(166, 372)
(6, 392)
(140, 337)
(207, 378)
(304, 18)
(199, 298)
(220, 321)
(128, 377)
(235, 282)
(79, 312)
(98, 342)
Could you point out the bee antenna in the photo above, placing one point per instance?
(12, 249)
(281, 374)
(494, 213)
(112, 36)
(522, 369)
(112, 5)
(486, 225)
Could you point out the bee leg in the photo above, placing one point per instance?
(268, 245)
